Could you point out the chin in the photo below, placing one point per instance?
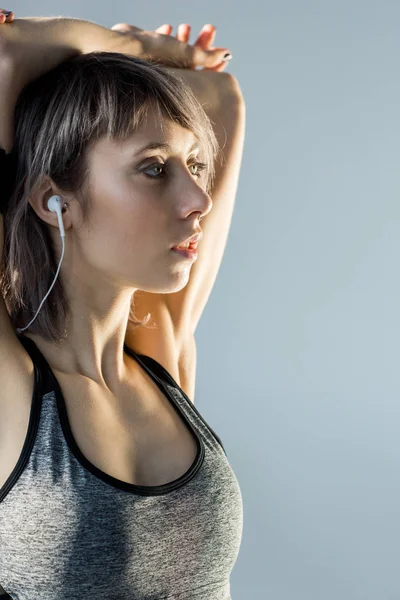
(174, 282)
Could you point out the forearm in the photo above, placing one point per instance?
(80, 35)
(64, 37)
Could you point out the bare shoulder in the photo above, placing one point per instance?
(175, 350)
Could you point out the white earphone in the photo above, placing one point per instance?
(54, 204)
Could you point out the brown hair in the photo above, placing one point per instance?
(57, 117)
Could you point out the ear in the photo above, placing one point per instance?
(39, 198)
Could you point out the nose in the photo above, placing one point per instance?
(195, 199)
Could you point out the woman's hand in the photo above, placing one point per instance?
(161, 47)
(204, 40)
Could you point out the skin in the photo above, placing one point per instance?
(134, 221)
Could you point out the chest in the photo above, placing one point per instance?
(137, 435)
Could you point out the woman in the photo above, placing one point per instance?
(112, 485)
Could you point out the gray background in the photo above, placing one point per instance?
(298, 351)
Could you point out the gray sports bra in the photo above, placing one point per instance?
(70, 531)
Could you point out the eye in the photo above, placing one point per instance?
(199, 166)
(165, 169)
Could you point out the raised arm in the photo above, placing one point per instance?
(32, 46)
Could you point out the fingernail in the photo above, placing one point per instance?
(227, 56)
(6, 12)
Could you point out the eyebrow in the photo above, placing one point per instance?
(163, 146)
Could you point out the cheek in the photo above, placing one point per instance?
(124, 223)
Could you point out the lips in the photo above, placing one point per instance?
(192, 241)
(191, 246)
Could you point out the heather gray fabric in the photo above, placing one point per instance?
(70, 531)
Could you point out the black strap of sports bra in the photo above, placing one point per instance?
(153, 367)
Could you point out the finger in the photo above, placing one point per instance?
(183, 33)
(206, 37)
(212, 58)
(164, 29)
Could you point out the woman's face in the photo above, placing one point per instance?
(142, 204)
